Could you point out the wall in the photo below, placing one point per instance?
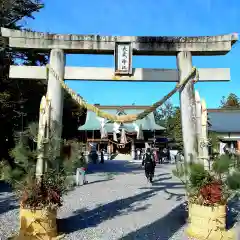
(234, 136)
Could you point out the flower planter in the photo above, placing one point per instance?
(208, 222)
(37, 224)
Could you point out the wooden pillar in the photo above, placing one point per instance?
(188, 108)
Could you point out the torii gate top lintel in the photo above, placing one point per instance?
(142, 45)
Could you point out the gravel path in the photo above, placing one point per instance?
(117, 203)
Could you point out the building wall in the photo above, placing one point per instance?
(228, 140)
(229, 136)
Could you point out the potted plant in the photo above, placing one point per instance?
(39, 202)
(208, 192)
(39, 197)
(39, 178)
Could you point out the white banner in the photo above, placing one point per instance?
(103, 130)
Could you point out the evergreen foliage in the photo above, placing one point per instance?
(169, 117)
(54, 184)
(20, 99)
(75, 157)
(12, 11)
(177, 129)
(209, 187)
(231, 102)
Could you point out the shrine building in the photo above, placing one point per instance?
(121, 138)
(225, 122)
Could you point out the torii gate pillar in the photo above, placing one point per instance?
(188, 107)
(55, 94)
(54, 90)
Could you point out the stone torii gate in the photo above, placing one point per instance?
(182, 47)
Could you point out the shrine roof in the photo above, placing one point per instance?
(221, 120)
(224, 120)
(93, 121)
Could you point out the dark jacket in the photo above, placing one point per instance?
(148, 159)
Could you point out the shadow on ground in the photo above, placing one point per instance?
(114, 166)
(162, 184)
(163, 228)
(99, 181)
(7, 201)
(8, 204)
(85, 218)
(5, 187)
(233, 212)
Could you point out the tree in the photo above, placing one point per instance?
(232, 101)
(11, 11)
(169, 117)
(20, 99)
(12, 99)
(164, 114)
(177, 129)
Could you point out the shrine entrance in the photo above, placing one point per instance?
(183, 48)
(123, 149)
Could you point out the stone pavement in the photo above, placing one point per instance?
(118, 203)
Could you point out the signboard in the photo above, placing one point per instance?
(123, 58)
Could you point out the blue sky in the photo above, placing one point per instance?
(138, 17)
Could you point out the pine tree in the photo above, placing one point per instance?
(25, 155)
(169, 117)
(20, 99)
(232, 102)
(177, 129)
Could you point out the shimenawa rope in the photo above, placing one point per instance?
(123, 118)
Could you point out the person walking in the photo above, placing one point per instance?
(149, 165)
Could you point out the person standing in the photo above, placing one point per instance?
(102, 156)
(165, 154)
(81, 170)
(156, 156)
(161, 155)
(149, 165)
(138, 154)
(168, 154)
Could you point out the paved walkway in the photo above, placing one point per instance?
(118, 203)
